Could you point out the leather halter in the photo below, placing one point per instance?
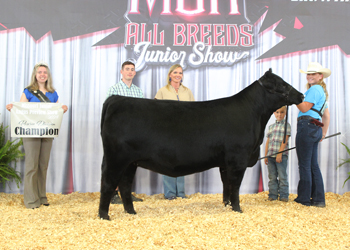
(286, 97)
(273, 91)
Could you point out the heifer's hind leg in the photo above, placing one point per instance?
(125, 188)
(109, 181)
(235, 179)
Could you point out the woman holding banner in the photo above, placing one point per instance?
(310, 131)
(174, 90)
(37, 150)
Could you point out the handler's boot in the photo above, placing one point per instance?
(134, 198)
(116, 199)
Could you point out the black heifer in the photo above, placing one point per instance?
(180, 138)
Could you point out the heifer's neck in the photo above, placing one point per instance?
(261, 104)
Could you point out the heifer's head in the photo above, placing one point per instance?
(280, 89)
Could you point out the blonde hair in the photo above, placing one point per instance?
(172, 68)
(33, 85)
(322, 84)
(285, 108)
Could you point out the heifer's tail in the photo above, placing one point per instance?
(104, 111)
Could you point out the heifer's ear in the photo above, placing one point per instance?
(269, 82)
(268, 73)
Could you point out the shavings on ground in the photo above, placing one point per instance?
(200, 222)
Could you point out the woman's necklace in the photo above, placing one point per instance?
(177, 92)
(176, 88)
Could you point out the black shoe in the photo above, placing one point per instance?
(318, 204)
(183, 197)
(134, 198)
(171, 198)
(116, 199)
(305, 204)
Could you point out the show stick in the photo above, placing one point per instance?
(295, 147)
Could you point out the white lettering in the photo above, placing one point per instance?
(45, 105)
(29, 105)
(37, 112)
(200, 8)
(156, 56)
(21, 112)
(202, 55)
(52, 112)
(234, 9)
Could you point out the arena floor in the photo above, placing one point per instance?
(200, 222)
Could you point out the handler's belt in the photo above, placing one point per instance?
(311, 119)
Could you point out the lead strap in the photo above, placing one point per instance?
(285, 126)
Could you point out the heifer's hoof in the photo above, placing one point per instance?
(237, 210)
(129, 211)
(104, 217)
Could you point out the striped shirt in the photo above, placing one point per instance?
(122, 89)
(275, 135)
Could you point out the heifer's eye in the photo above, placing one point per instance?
(285, 90)
(281, 89)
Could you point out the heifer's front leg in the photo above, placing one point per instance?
(235, 179)
(225, 184)
(125, 188)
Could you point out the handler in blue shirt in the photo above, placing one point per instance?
(310, 131)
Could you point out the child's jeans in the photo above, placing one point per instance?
(278, 178)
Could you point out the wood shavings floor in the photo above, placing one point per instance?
(200, 222)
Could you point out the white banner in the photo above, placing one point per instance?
(36, 119)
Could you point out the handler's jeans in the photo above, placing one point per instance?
(278, 170)
(174, 186)
(310, 187)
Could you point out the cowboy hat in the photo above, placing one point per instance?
(315, 67)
